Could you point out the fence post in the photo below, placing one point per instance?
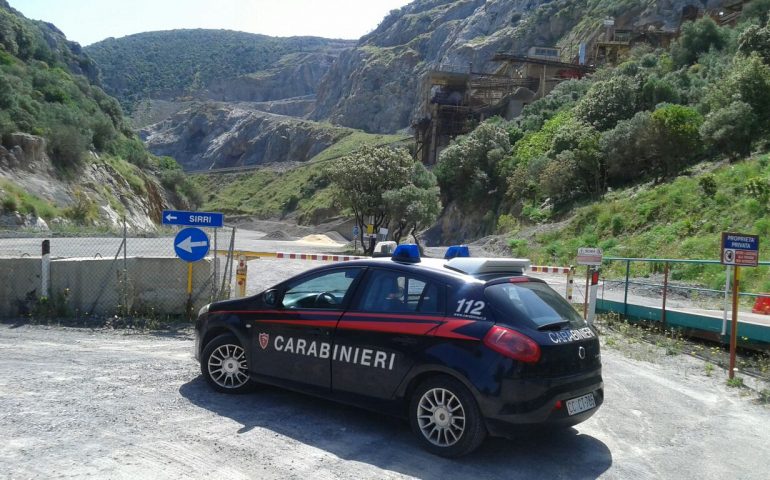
(45, 269)
(625, 293)
(570, 283)
(216, 277)
(727, 299)
(125, 268)
(665, 290)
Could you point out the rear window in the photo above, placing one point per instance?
(532, 302)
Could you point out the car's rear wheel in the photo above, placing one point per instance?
(445, 417)
(224, 365)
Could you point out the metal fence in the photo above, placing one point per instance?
(696, 292)
(130, 272)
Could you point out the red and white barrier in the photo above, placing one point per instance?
(319, 257)
(569, 271)
(541, 269)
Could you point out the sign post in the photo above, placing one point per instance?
(738, 250)
(590, 257)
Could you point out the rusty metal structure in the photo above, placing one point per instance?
(459, 98)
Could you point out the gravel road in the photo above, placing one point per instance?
(110, 404)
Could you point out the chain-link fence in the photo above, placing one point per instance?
(125, 273)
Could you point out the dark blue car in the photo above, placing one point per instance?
(462, 348)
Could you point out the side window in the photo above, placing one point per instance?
(325, 290)
(389, 291)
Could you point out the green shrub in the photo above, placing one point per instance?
(9, 204)
(66, 146)
(519, 247)
(708, 185)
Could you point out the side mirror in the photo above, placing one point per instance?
(270, 298)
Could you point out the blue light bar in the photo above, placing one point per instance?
(408, 252)
(457, 251)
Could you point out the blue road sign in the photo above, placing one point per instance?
(740, 249)
(191, 244)
(193, 219)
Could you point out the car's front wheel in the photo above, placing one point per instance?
(445, 417)
(224, 365)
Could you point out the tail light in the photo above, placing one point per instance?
(512, 344)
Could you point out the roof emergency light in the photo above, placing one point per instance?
(408, 252)
(481, 266)
(457, 251)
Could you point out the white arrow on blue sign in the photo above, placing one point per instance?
(193, 219)
(191, 244)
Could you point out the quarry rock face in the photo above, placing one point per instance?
(210, 135)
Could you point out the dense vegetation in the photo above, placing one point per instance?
(49, 88)
(646, 139)
(173, 63)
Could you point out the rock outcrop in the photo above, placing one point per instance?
(25, 164)
(217, 135)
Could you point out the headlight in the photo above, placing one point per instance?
(204, 310)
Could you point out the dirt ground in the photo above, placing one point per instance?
(76, 403)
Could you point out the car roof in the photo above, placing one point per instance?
(460, 270)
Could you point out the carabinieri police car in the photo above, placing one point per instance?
(462, 347)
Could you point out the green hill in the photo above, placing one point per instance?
(169, 64)
(50, 96)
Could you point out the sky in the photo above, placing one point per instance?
(88, 21)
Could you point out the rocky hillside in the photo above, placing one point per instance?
(216, 135)
(205, 63)
(67, 155)
(378, 86)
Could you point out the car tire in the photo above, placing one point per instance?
(446, 418)
(224, 365)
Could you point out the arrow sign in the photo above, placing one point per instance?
(193, 219)
(187, 244)
(191, 244)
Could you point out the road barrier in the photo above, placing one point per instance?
(569, 271)
(249, 255)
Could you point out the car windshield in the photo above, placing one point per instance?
(532, 302)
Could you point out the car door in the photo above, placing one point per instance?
(377, 338)
(292, 343)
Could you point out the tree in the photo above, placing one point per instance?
(757, 9)
(730, 130)
(608, 102)
(626, 149)
(677, 139)
(362, 178)
(414, 206)
(696, 38)
(749, 82)
(656, 91)
(756, 39)
(468, 169)
(576, 145)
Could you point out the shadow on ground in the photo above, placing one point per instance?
(387, 443)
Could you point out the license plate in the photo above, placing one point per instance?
(581, 404)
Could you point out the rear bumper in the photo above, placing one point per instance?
(540, 404)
